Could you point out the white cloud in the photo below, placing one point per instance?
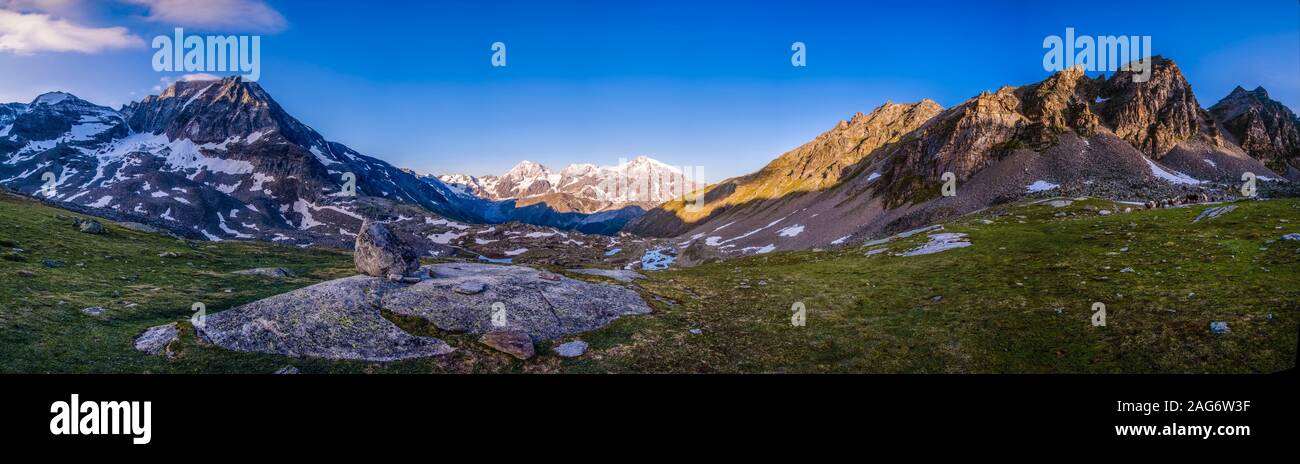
(163, 82)
(198, 77)
(28, 33)
(60, 8)
(252, 15)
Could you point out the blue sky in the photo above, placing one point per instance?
(690, 83)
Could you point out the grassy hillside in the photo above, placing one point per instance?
(990, 307)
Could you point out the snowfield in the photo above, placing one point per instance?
(1041, 186)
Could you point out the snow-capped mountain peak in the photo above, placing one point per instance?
(52, 98)
(642, 181)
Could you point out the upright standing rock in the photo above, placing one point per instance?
(379, 253)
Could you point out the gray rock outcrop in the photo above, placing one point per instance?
(339, 319)
(342, 319)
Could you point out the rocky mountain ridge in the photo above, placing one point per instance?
(222, 159)
(1068, 135)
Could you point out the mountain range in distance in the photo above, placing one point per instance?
(221, 160)
(642, 182)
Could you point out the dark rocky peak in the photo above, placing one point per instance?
(1265, 128)
(214, 111)
(1242, 100)
(1157, 114)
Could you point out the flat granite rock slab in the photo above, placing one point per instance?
(337, 319)
(341, 319)
(541, 307)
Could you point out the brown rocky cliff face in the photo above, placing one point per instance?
(1265, 128)
(1156, 115)
(817, 165)
(821, 163)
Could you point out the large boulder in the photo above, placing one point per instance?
(379, 253)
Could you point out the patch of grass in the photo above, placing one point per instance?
(998, 300)
(996, 309)
(42, 328)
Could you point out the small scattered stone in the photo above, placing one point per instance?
(26, 274)
(1219, 327)
(551, 276)
(286, 370)
(95, 311)
(472, 287)
(936, 298)
(1214, 212)
(1127, 269)
(278, 272)
(157, 340)
(1293, 237)
(53, 263)
(168, 254)
(696, 331)
(511, 342)
(1104, 212)
(90, 226)
(572, 349)
(1059, 311)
